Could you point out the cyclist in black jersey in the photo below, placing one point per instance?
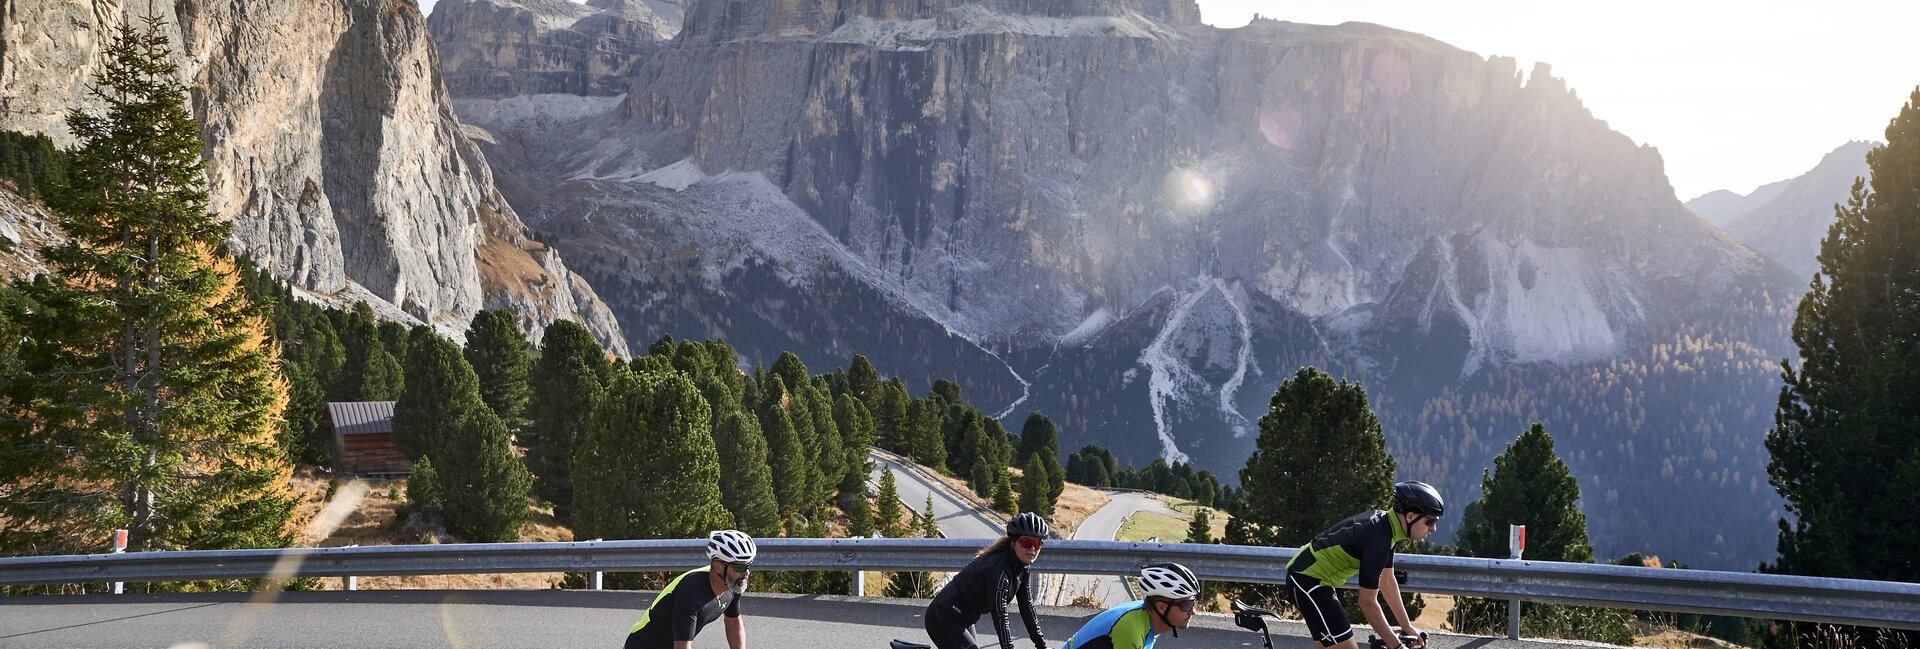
(1362, 545)
(699, 596)
(995, 576)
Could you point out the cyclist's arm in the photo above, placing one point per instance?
(1376, 561)
(1390, 588)
(1026, 611)
(736, 630)
(1002, 588)
(736, 633)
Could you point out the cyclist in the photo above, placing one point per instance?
(1362, 545)
(1171, 591)
(699, 596)
(997, 575)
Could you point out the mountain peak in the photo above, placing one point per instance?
(726, 20)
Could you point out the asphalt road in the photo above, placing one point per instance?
(958, 519)
(502, 619)
(1103, 525)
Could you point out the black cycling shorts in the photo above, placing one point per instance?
(951, 632)
(1319, 608)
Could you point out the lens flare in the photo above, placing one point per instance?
(345, 501)
(1188, 192)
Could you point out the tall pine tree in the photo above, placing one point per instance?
(1845, 446)
(1320, 458)
(503, 361)
(647, 467)
(746, 482)
(568, 383)
(1531, 486)
(158, 381)
(1036, 434)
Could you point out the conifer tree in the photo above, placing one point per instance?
(1848, 421)
(490, 482)
(569, 381)
(925, 444)
(1200, 529)
(157, 375)
(785, 458)
(1531, 486)
(829, 452)
(1056, 477)
(382, 377)
(423, 486)
(646, 466)
(1320, 458)
(1036, 434)
(851, 416)
(746, 482)
(863, 381)
(929, 523)
(441, 391)
(890, 418)
(859, 513)
(503, 361)
(1004, 499)
(887, 507)
(1034, 487)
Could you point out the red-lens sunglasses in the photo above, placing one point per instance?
(1028, 542)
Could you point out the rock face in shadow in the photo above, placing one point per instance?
(1789, 226)
(330, 143)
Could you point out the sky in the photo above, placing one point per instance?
(1734, 94)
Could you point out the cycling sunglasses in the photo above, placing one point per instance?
(739, 567)
(1028, 542)
(1185, 605)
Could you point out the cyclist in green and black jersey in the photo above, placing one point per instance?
(1362, 545)
(699, 596)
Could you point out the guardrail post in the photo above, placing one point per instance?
(119, 546)
(353, 583)
(1516, 543)
(599, 580)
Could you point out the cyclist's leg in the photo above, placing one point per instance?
(1326, 620)
(951, 634)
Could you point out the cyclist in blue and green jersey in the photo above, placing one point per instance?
(1362, 545)
(697, 597)
(1171, 593)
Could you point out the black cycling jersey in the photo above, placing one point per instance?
(985, 586)
(1362, 544)
(681, 609)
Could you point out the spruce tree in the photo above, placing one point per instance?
(929, 523)
(746, 482)
(647, 467)
(381, 376)
(864, 382)
(1036, 434)
(786, 459)
(887, 507)
(157, 376)
(829, 453)
(1320, 458)
(441, 392)
(859, 514)
(484, 486)
(423, 486)
(1056, 477)
(1200, 529)
(890, 420)
(1004, 499)
(1848, 421)
(1034, 486)
(568, 383)
(1531, 486)
(503, 361)
(851, 416)
(925, 444)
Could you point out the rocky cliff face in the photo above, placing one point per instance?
(1137, 224)
(1789, 226)
(330, 144)
(507, 48)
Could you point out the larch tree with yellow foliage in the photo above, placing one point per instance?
(155, 385)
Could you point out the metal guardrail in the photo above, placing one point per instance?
(1810, 599)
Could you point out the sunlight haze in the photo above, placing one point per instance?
(1733, 94)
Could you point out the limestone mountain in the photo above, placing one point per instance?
(331, 145)
(1789, 225)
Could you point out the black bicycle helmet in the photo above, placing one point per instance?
(1419, 498)
(1027, 524)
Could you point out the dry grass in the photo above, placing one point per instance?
(372, 522)
(1076, 504)
(1434, 616)
(1149, 525)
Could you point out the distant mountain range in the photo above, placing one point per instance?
(1786, 220)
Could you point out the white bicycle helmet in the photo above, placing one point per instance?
(731, 546)
(1170, 581)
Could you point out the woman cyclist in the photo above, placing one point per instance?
(995, 576)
